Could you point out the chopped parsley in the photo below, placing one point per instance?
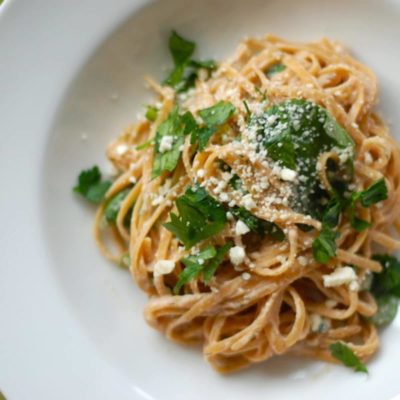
(275, 69)
(258, 225)
(373, 194)
(213, 117)
(185, 72)
(91, 186)
(200, 217)
(174, 128)
(114, 204)
(387, 310)
(344, 354)
(324, 246)
(151, 113)
(205, 262)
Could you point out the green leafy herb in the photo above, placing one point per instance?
(324, 246)
(248, 112)
(175, 127)
(114, 204)
(185, 72)
(151, 113)
(294, 133)
(275, 69)
(258, 225)
(262, 94)
(344, 354)
(91, 186)
(213, 117)
(388, 281)
(125, 261)
(374, 194)
(387, 310)
(206, 262)
(359, 224)
(331, 215)
(200, 217)
(145, 145)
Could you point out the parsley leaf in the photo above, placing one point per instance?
(344, 354)
(217, 114)
(324, 246)
(207, 261)
(213, 117)
(185, 72)
(114, 204)
(200, 217)
(176, 126)
(387, 281)
(275, 69)
(151, 113)
(374, 194)
(145, 145)
(258, 225)
(91, 186)
(331, 215)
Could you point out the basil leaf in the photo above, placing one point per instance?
(275, 69)
(374, 194)
(205, 64)
(387, 310)
(344, 354)
(90, 185)
(295, 133)
(324, 246)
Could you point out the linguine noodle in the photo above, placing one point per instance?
(270, 303)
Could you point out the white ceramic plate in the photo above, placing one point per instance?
(72, 324)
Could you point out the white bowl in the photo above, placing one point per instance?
(72, 323)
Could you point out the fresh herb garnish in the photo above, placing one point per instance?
(175, 127)
(91, 186)
(213, 117)
(114, 204)
(387, 310)
(275, 69)
(374, 194)
(258, 225)
(344, 354)
(324, 246)
(205, 262)
(185, 72)
(248, 112)
(200, 217)
(295, 133)
(151, 113)
(145, 145)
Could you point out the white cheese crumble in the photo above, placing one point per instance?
(241, 228)
(319, 324)
(288, 174)
(237, 255)
(341, 276)
(163, 267)
(246, 276)
(248, 202)
(302, 260)
(166, 143)
(201, 173)
(121, 149)
(132, 179)
(368, 158)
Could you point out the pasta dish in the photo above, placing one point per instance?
(256, 203)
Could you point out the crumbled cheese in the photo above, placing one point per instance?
(288, 174)
(319, 324)
(163, 267)
(132, 179)
(166, 143)
(241, 228)
(121, 149)
(246, 276)
(157, 200)
(248, 202)
(354, 286)
(224, 197)
(237, 255)
(341, 276)
(201, 173)
(368, 158)
(302, 260)
(229, 216)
